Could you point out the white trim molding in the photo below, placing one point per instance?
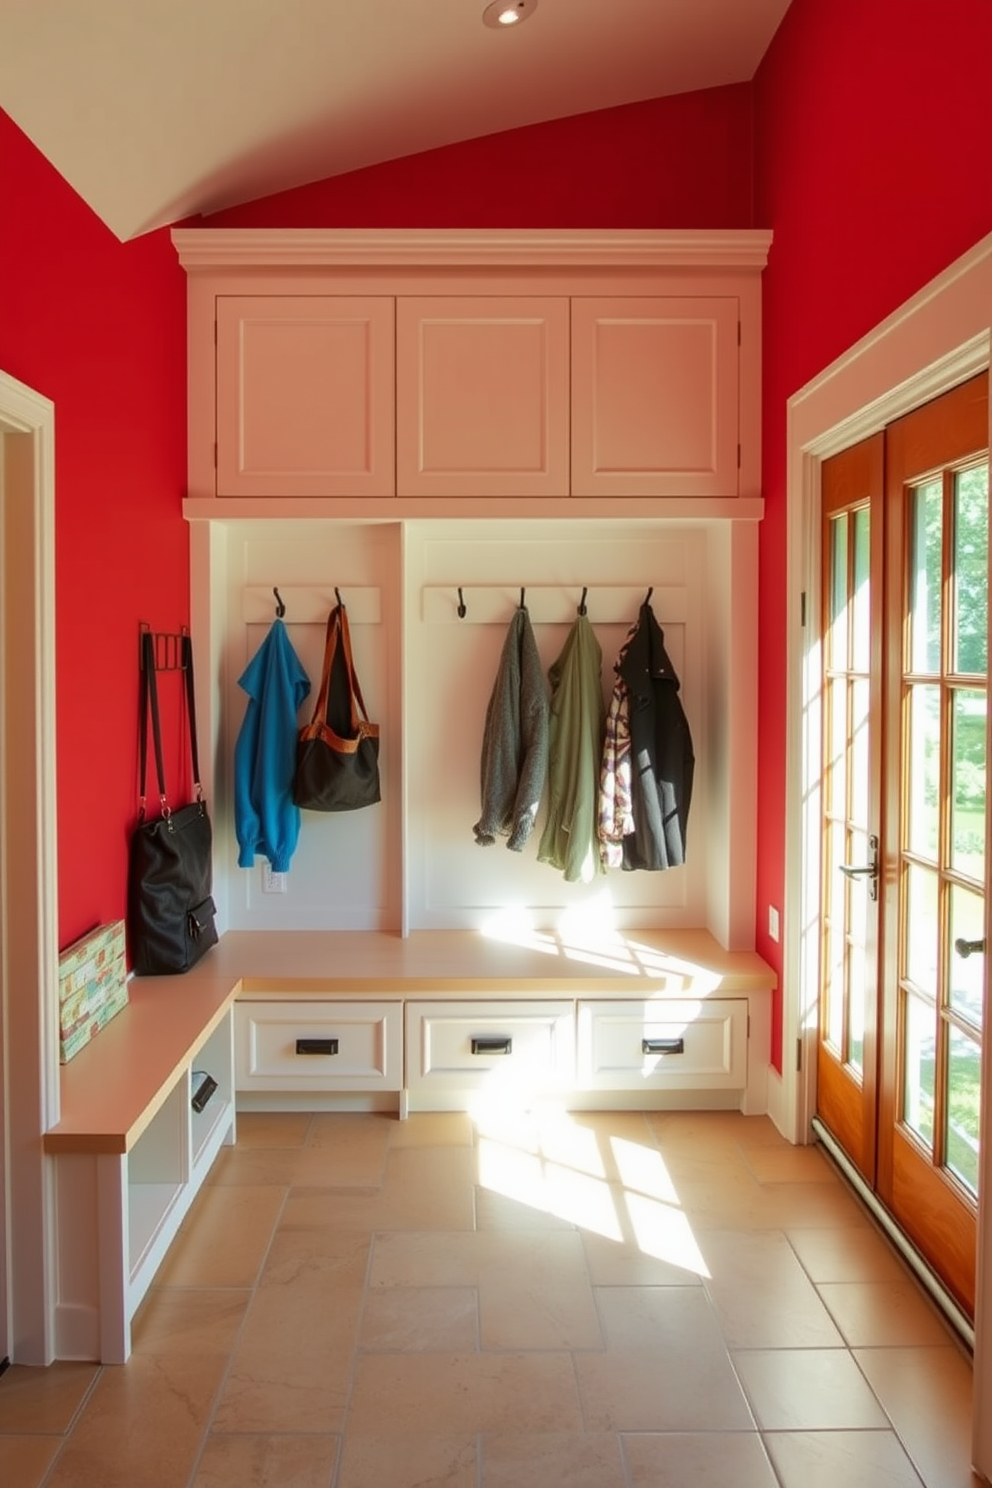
(214, 248)
(28, 894)
(936, 340)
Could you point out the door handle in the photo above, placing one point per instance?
(965, 948)
(865, 870)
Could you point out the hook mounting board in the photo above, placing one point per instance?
(310, 604)
(550, 604)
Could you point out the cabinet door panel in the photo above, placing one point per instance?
(304, 396)
(482, 397)
(654, 397)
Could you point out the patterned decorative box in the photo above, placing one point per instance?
(92, 986)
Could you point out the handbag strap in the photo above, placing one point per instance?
(338, 633)
(148, 703)
(354, 688)
(187, 655)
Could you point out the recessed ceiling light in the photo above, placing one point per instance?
(506, 13)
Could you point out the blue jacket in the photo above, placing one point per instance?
(266, 820)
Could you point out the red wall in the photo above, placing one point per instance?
(670, 162)
(873, 166)
(99, 327)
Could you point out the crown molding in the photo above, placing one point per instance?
(216, 248)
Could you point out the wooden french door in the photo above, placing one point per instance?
(904, 697)
(852, 499)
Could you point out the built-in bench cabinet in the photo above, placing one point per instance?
(432, 1022)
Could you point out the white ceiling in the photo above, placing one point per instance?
(155, 110)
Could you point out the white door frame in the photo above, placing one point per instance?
(29, 1084)
(936, 340)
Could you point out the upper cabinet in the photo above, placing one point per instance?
(481, 396)
(416, 374)
(655, 396)
(304, 395)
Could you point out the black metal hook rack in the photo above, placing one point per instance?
(167, 648)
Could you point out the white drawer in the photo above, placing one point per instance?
(662, 1045)
(301, 1045)
(460, 1046)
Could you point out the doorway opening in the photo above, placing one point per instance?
(29, 1090)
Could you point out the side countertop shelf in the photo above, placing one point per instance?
(113, 1088)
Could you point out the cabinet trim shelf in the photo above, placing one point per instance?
(371, 511)
(220, 248)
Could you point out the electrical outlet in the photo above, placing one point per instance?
(272, 883)
(773, 922)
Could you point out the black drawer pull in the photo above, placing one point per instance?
(205, 1086)
(663, 1046)
(316, 1046)
(499, 1045)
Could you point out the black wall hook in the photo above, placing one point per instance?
(462, 610)
(522, 594)
(280, 607)
(337, 596)
(647, 597)
(582, 601)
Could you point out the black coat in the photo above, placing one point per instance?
(661, 756)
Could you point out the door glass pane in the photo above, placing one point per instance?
(964, 1080)
(837, 633)
(922, 929)
(836, 765)
(923, 764)
(833, 1011)
(971, 602)
(919, 1068)
(836, 884)
(926, 529)
(859, 752)
(967, 970)
(968, 783)
(860, 609)
(857, 897)
(856, 1010)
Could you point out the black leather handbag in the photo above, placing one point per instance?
(337, 752)
(170, 911)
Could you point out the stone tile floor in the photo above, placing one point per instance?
(629, 1300)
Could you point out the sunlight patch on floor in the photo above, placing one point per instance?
(545, 1158)
(549, 1187)
(664, 1231)
(643, 1170)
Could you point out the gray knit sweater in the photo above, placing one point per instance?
(515, 741)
